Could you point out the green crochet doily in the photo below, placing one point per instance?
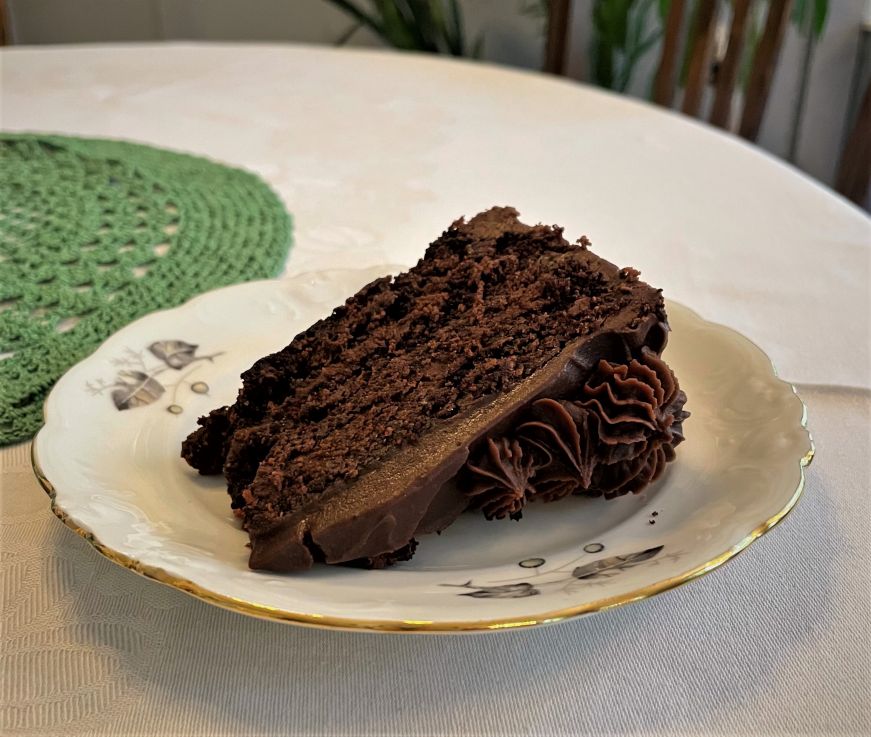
(95, 233)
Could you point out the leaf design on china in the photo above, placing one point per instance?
(607, 567)
(506, 591)
(563, 577)
(174, 353)
(135, 389)
(135, 383)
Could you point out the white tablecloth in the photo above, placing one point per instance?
(375, 154)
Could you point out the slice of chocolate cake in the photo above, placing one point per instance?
(508, 366)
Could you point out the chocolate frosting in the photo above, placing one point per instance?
(612, 434)
(425, 487)
(356, 438)
(503, 467)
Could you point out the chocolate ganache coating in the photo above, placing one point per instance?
(610, 435)
(507, 365)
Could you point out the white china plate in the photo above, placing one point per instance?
(115, 477)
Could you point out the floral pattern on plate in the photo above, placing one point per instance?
(135, 383)
(564, 577)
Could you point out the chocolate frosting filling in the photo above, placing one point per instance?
(611, 435)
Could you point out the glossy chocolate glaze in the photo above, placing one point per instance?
(417, 491)
(354, 439)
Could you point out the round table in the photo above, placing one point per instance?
(375, 153)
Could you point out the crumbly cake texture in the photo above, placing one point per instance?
(373, 426)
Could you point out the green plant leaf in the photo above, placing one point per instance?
(663, 6)
(634, 28)
(754, 33)
(611, 23)
(602, 62)
(396, 29)
(611, 19)
(535, 9)
(361, 16)
(688, 45)
(478, 47)
(647, 44)
(821, 11)
(421, 25)
(643, 29)
(441, 34)
(809, 16)
(346, 36)
(799, 12)
(457, 23)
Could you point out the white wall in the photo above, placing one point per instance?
(78, 21)
(511, 37)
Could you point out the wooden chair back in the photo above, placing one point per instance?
(854, 169)
(701, 42)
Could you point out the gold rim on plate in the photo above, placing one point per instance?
(423, 626)
(263, 611)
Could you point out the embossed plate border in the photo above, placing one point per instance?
(435, 626)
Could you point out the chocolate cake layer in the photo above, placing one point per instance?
(357, 437)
